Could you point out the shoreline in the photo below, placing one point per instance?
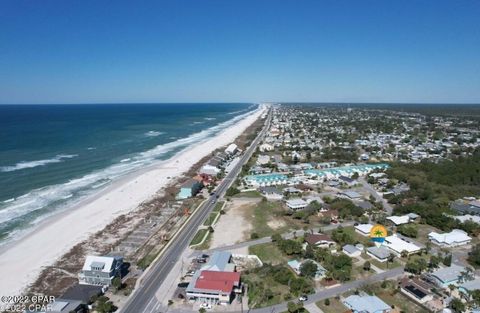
(22, 260)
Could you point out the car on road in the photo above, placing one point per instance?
(303, 298)
(206, 306)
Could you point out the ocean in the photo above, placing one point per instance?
(52, 156)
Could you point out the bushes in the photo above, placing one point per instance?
(232, 191)
(409, 230)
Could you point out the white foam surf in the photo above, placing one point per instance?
(75, 189)
(31, 164)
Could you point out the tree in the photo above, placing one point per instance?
(366, 266)
(447, 261)
(276, 237)
(309, 252)
(327, 302)
(117, 283)
(434, 261)
(408, 230)
(292, 307)
(202, 310)
(308, 269)
(104, 305)
(391, 258)
(474, 256)
(457, 305)
(416, 266)
(232, 191)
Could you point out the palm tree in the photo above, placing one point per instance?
(390, 259)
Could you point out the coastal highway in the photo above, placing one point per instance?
(156, 274)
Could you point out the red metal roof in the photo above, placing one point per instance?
(213, 280)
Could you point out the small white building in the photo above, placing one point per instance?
(399, 220)
(363, 229)
(397, 244)
(456, 237)
(404, 219)
(352, 251)
(266, 147)
(263, 159)
(296, 204)
(231, 149)
(209, 170)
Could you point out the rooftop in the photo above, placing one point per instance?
(456, 235)
(366, 304)
(217, 280)
(448, 274)
(399, 244)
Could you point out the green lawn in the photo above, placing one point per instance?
(218, 206)
(268, 217)
(423, 231)
(401, 302)
(198, 237)
(268, 253)
(210, 219)
(335, 306)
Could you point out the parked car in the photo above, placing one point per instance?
(206, 306)
(303, 298)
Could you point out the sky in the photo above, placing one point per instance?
(239, 51)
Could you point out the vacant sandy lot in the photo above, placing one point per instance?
(232, 227)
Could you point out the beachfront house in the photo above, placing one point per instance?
(100, 270)
(231, 149)
(189, 189)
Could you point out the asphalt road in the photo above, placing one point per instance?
(153, 279)
(322, 294)
(374, 193)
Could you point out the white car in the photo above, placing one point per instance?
(206, 306)
(303, 298)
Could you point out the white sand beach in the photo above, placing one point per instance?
(22, 261)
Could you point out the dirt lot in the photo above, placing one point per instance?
(233, 227)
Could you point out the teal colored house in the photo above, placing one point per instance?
(189, 189)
